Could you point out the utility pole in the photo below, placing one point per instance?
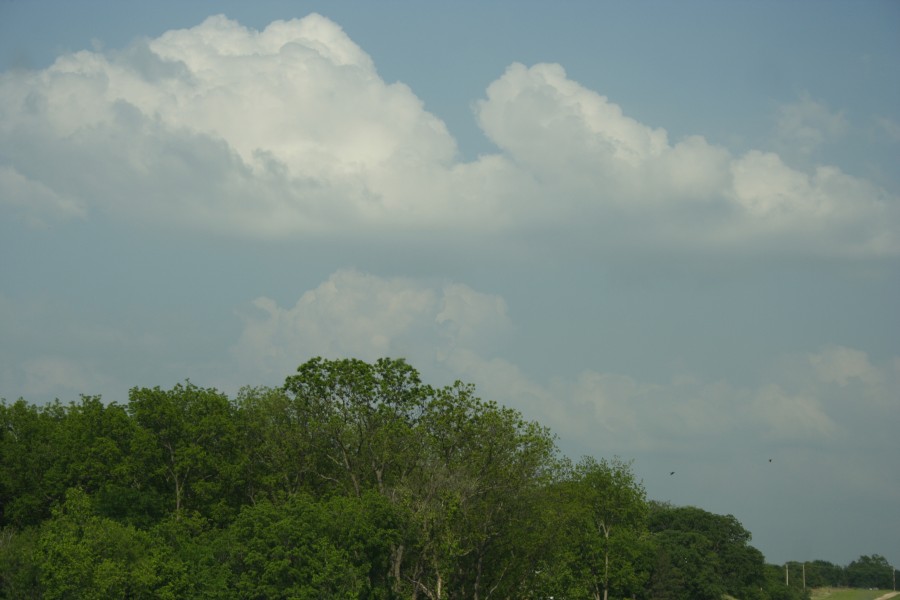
(787, 577)
(804, 574)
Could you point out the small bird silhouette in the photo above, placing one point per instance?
(672, 473)
(770, 460)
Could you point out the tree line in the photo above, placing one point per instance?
(865, 572)
(353, 480)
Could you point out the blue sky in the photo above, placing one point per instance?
(669, 231)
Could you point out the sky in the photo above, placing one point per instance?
(668, 231)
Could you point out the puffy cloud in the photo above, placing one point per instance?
(291, 131)
(300, 91)
(838, 364)
(361, 315)
(35, 199)
(281, 131)
(828, 211)
(608, 169)
(553, 124)
(790, 416)
(805, 125)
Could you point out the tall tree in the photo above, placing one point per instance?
(32, 472)
(606, 510)
(277, 443)
(94, 440)
(821, 573)
(730, 564)
(187, 445)
(482, 469)
(362, 420)
(870, 571)
(361, 416)
(685, 568)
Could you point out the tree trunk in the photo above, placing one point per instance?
(478, 570)
(396, 561)
(606, 563)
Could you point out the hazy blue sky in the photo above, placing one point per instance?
(668, 230)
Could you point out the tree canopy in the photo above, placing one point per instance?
(352, 480)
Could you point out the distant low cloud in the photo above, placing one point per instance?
(889, 128)
(34, 200)
(840, 365)
(805, 125)
(62, 377)
(791, 417)
(364, 316)
(291, 132)
(451, 331)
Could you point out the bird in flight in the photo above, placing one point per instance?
(673, 472)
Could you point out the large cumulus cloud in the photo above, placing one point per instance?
(595, 161)
(290, 131)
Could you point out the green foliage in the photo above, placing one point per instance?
(703, 555)
(359, 418)
(282, 551)
(30, 468)
(479, 478)
(775, 586)
(83, 555)
(19, 569)
(353, 480)
(714, 549)
(602, 519)
(821, 573)
(277, 443)
(869, 572)
(184, 552)
(686, 567)
(186, 448)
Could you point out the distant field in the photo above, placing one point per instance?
(847, 594)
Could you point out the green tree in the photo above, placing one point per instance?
(361, 418)
(31, 461)
(354, 427)
(297, 549)
(821, 573)
(686, 567)
(187, 447)
(481, 471)
(606, 512)
(775, 587)
(870, 571)
(19, 563)
(184, 553)
(83, 555)
(93, 441)
(737, 567)
(277, 444)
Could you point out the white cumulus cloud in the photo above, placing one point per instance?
(290, 131)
